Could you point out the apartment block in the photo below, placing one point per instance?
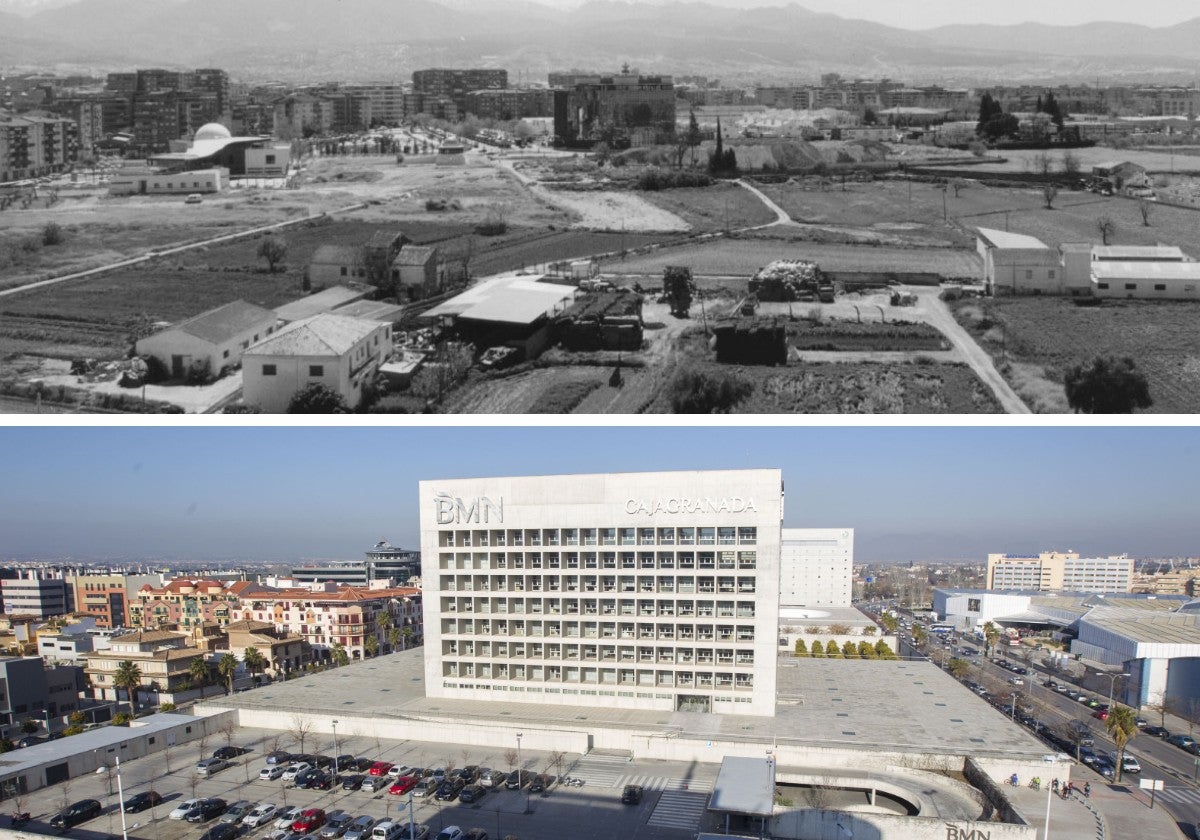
(623, 108)
(637, 590)
(37, 596)
(816, 567)
(103, 597)
(1060, 570)
(454, 85)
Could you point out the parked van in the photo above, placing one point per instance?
(387, 830)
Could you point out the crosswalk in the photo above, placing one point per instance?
(679, 809)
(611, 771)
(1178, 795)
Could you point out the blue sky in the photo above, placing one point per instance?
(285, 493)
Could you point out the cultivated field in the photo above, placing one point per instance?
(720, 207)
(1042, 337)
(744, 255)
(1024, 160)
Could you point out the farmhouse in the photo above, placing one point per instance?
(1121, 174)
(1017, 264)
(339, 352)
(415, 269)
(331, 263)
(326, 300)
(210, 341)
(509, 310)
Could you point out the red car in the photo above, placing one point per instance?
(1100, 713)
(403, 785)
(380, 768)
(309, 820)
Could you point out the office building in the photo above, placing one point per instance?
(383, 563)
(31, 691)
(36, 596)
(1055, 570)
(638, 590)
(103, 597)
(816, 567)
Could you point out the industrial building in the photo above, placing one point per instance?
(636, 590)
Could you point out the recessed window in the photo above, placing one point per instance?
(1101, 285)
(1029, 274)
(268, 370)
(270, 159)
(343, 271)
(225, 355)
(1160, 287)
(1051, 275)
(1129, 287)
(316, 370)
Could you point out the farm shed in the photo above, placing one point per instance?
(602, 321)
(745, 341)
(323, 301)
(1014, 264)
(1147, 280)
(209, 341)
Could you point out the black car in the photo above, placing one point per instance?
(632, 795)
(352, 782)
(75, 813)
(322, 761)
(207, 809)
(468, 774)
(541, 783)
(362, 765)
(345, 762)
(1157, 732)
(304, 777)
(222, 831)
(519, 779)
(229, 752)
(279, 757)
(449, 790)
(320, 781)
(475, 834)
(142, 801)
(472, 793)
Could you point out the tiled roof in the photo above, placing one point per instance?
(321, 335)
(344, 594)
(415, 255)
(144, 636)
(226, 322)
(336, 255)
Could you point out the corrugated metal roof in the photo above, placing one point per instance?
(744, 786)
(510, 300)
(226, 322)
(323, 301)
(1138, 252)
(1145, 271)
(1005, 239)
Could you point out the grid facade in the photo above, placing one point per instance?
(573, 600)
(816, 567)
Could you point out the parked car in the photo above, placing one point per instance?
(206, 810)
(1184, 742)
(542, 782)
(286, 817)
(181, 810)
(448, 790)
(211, 766)
(1106, 767)
(142, 801)
(403, 785)
(222, 831)
(336, 825)
(359, 828)
(310, 819)
(472, 793)
(450, 832)
(76, 813)
(319, 780)
(519, 778)
(346, 762)
(1130, 764)
(193, 198)
(304, 777)
(325, 762)
(493, 778)
(468, 774)
(229, 752)
(418, 832)
(379, 768)
(260, 814)
(631, 795)
(352, 782)
(294, 770)
(475, 834)
(1157, 732)
(235, 812)
(271, 772)
(425, 787)
(279, 757)
(1101, 714)
(374, 783)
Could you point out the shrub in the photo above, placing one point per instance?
(699, 392)
(121, 719)
(654, 179)
(52, 234)
(167, 707)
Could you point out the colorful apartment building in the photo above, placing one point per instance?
(183, 603)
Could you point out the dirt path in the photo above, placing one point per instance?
(781, 216)
(938, 314)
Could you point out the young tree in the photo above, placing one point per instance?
(317, 398)
(227, 667)
(1049, 193)
(510, 758)
(229, 729)
(338, 654)
(958, 668)
(128, 677)
(1121, 724)
(1042, 163)
(255, 662)
(850, 650)
(300, 729)
(1070, 163)
(801, 648)
(1107, 385)
(883, 650)
(272, 249)
(870, 630)
(818, 649)
(1146, 208)
(832, 650)
(1107, 227)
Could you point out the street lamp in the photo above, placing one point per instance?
(1112, 682)
(335, 749)
(521, 772)
(103, 768)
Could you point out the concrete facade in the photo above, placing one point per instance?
(1059, 570)
(1017, 264)
(639, 590)
(816, 567)
(41, 597)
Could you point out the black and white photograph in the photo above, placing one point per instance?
(485, 207)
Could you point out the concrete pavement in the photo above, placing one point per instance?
(1112, 812)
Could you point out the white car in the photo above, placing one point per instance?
(260, 814)
(398, 770)
(181, 810)
(271, 772)
(286, 818)
(450, 832)
(294, 770)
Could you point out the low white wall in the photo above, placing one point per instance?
(811, 824)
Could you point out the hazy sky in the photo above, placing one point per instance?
(286, 493)
(923, 14)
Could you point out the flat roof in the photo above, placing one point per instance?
(1138, 252)
(509, 299)
(744, 786)
(1146, 270)
(1162, 628)
(1006, 239)
(100, 738)
(820, 702)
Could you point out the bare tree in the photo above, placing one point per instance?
(1043, 164)
(557, 759)
(1146, 208)
(958, 185)
(1070, 163)
(450, 765)
(301, 727)
(1107, 227)
(202, 744)
(510, 758)
(1049, 193)
(64, 793)
(229, 729)
(1159, 708)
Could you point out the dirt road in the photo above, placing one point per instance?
(938, 314)
(781, 217)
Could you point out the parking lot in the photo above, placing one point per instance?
(674, 800)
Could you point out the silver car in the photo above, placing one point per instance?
(335, 824)
(360, 828)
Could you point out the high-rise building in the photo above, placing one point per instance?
(1060, 570)
(623, 109)
(636, 590)
(442, 83)
(816, 567)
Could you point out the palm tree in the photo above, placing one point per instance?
(991, 634)
(227, 666)
(384, 624)
(255, 661)
(394, 636)
(407, 635)
(128, 677)
(1122, 728)
(338, 652)
(199, 673)
(371, 645)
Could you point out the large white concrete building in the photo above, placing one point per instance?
(816, 567)
(1060, 570)
(637, 590)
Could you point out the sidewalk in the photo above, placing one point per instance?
(1113, 812)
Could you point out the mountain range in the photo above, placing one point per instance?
(303, 40)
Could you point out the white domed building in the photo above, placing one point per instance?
(214, 146)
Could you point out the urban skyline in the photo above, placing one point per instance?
(283, 494)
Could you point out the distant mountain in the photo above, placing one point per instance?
(356, 39)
